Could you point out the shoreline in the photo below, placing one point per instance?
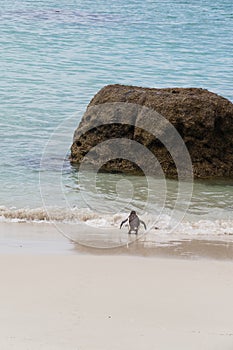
(193, 249)
(45, 238)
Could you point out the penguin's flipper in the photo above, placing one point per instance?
(123, 222)
(142, 222)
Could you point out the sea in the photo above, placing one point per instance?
(55, 56)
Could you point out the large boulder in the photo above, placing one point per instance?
(203, 119)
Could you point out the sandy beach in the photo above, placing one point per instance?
(60, 298)
(86, 302)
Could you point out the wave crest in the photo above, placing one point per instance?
(159, 227)
(41, 214)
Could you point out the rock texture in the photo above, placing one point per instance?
(203, 119)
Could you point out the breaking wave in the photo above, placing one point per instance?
(41, 214)
(158, 227)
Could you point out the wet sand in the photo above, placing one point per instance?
(32, 238)
(44, 238)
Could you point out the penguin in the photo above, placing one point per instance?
(134, 223)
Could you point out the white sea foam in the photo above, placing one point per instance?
(41, 214)
(159, 229)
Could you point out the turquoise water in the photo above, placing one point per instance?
(56, 55)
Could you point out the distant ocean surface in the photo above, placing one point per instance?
(55, 55)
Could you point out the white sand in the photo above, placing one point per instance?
(75, 302)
